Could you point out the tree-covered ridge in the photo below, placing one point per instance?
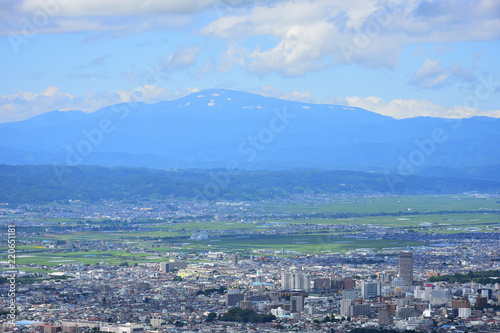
(246, 316)
(47, 183)
(482, 277)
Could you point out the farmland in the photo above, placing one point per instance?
(282, 227)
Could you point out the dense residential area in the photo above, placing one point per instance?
(153, 267)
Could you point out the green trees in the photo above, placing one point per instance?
(39, 184)
(483, 277)
(246, 316)
(211, 317)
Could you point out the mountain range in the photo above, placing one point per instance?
(220, 128)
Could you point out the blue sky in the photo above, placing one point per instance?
(398, 58)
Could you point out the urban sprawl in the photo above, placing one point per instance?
(251, 290)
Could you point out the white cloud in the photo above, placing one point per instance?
(293, 95)
(397, 108)
(432, 74)
(148, 94)
(311, 36)
(117, 7)
(288, 37)
(410, 108)
(23, 104)
(314, 34)
(300, 50)
(182, 58)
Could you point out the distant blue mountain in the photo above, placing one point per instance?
(215, 127)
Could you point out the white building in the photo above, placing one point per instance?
(464, 312)
(279, 312)
(345, 307)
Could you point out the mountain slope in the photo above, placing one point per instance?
(214, 127)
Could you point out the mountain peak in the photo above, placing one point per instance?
(214, 127)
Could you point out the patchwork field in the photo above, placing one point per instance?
(309, 228)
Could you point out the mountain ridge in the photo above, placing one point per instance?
(49, 183)
(213, 127)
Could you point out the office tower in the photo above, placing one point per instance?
(302, 281)
(296, 304)
(337, 283)
(164, 267)
(371, 289)
(235, 260)
(385, 317)
(322, 285)
(406, 267)
(296, 281)
(348, 283)
(360, 310)
(233, 298)
(349, 294)
(345, 307)
(286, 281)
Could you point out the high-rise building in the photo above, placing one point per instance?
(337, 283)
(360, 310)
(286, 281)
(406, 267)
(348, 283)
(235, 260)
(385, 317)
(349, 294)
(164, 267)
(302, 281)
(233, 299)
(296, 281)
(405, 312)
(296, 304)
(345, 307)
(322, 285)
(156, 321)
(371, 289)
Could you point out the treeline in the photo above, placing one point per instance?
(47, 183)
(376, 330)
(482, 277)
(246, 316)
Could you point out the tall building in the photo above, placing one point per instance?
(235, 260)
(164, 267)
(349, 294)
(296, 281)
(385, 317)
(345, 307)
(406, 267)
(296, 304)
(302, 281)
(337, 283)
(156, 321)
(348, 283)
(286, 281)
(233, 299)
(371, 289)
(360, 310)
(322, 285)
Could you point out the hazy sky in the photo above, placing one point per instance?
(399, 58)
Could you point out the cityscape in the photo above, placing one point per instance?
(231, 166)
(449, 282)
